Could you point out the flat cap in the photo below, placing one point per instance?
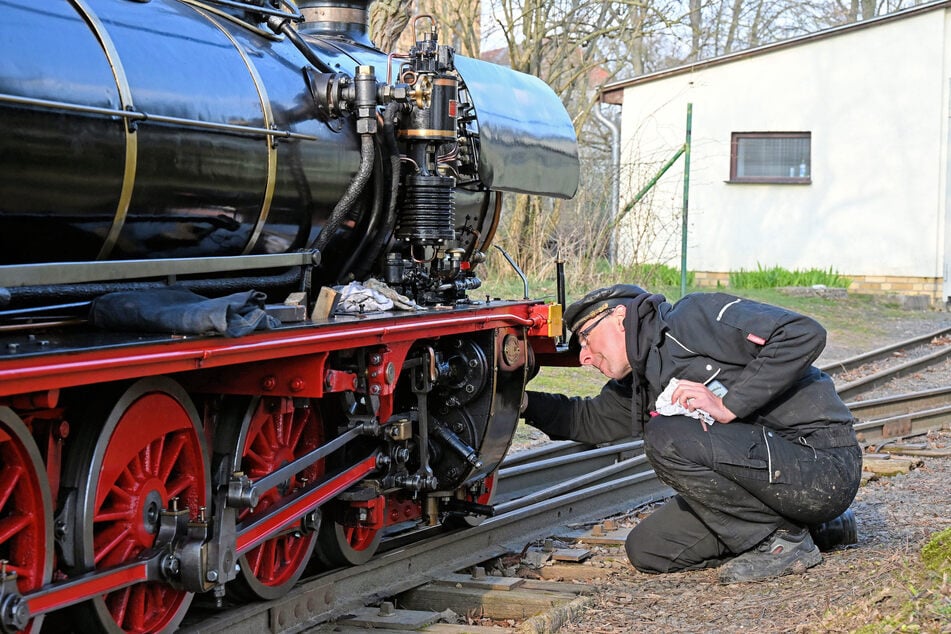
(595, 303)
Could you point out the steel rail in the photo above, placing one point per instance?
(880, 354)
(888, 406)
(902, 415)
(902, 425)
(535, 514)
(550, 449)
(528, 478)
(627, 484)
(878, 379)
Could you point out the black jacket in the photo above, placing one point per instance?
(761, 354)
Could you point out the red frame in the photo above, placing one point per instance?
(282, 362)
(54, 371)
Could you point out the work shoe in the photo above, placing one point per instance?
(841, 531)
(782, 553)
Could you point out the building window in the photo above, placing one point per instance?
(771, 157)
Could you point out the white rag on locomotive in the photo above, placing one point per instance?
(180, 410)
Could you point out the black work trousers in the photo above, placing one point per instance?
(736, 483)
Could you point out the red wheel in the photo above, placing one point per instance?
(26, 509)
(271, 433)
(484, 494)
(350, 533)
(488, 493)
(148, 452)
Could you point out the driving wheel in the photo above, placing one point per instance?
(260, 436)
(143, 455)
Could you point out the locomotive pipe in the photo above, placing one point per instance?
(212, 285)
(282, 26)
(388, 143)
(342, 208)
(518, 270)
(373, 224)
(456, 444)
(560, 276)
(364, 91)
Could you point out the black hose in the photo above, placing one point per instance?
(216, 286)
(352, 270)
(279, 25)
(350, 196)
(388, 141)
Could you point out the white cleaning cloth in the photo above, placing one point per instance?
(666, 408)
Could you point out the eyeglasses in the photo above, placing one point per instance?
(584, 334)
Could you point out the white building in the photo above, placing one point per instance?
(824, 151)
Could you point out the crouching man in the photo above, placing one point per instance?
(753, 439)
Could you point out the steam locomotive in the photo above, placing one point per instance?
(230, 163)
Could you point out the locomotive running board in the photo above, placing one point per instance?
(18, 275)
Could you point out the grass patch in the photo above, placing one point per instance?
(917, 599)
(833, 313)
(855, 321)
(778, 277)
(572, 381)
(575, 381)
(650, 275)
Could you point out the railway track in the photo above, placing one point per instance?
(563, 483)
(865, 372)
(603, 481)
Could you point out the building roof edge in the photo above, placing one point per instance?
(613, 87)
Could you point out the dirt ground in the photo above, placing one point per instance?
(851, 588)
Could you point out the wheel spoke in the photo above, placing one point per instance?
(150, 450)
(11, 525)
(178, 486)
(114, 515)
(269, 563)
(275, 433)
(135, 618)
(295, 431)
(151, 457)
(9, 479)
(119, 604)
(137, 469)
(110, 539)
(25, 509)
(120, 495)
(257, 462)
(175, 446)
(254, 559)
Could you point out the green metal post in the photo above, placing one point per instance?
(653, 181)
(683, 231)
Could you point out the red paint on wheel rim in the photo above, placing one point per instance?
(153, 456)
(278, 434)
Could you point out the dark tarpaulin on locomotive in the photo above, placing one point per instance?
(180, 311)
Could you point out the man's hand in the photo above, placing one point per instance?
(694, 396)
